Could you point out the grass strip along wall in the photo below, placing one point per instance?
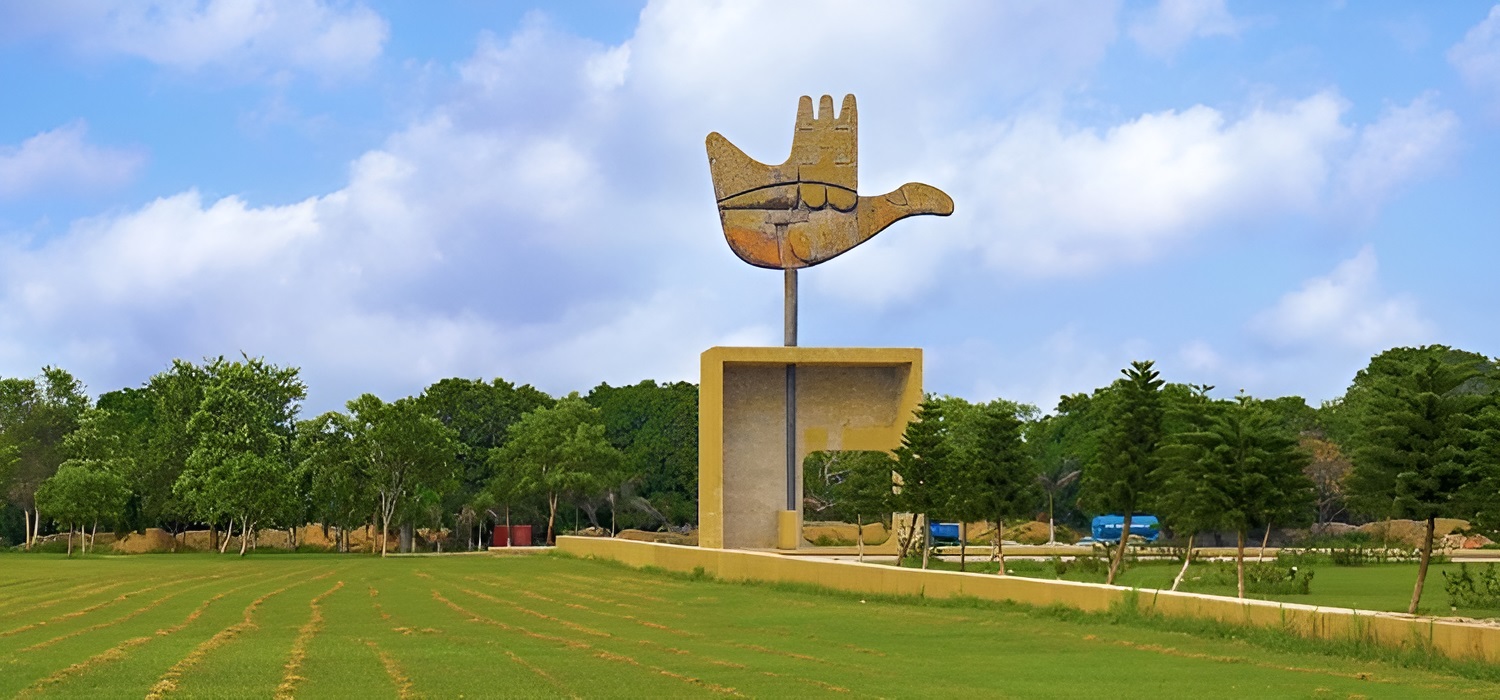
(1452, 638)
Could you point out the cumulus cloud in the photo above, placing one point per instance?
(1344, 309)
(62, 160)
(1477, 57)
(254, 36)
(1172, 23)
(551, 219)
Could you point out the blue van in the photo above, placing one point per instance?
(1106, 528)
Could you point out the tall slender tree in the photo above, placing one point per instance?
(1420, 437)
(921, 460)
(991, 477)
(1121, 476)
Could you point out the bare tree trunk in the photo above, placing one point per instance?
(551, 515)
(36, 529)
(244, 530)
(859, 534)
(1416, 594)
(911, 536)
(508, 537)
(213, 536)
(1186, 559)
(1263, 541)
(27, 537)
(1116, 566)
(963, 546)
(1000, 545)
(926, 541)
(70, 540)
(1239, 559)
(92, 534)
(228, 535)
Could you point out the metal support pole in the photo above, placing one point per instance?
(791, 391)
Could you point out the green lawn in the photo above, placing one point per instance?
(453, 626)
(1385, 587)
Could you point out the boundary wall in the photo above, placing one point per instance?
(1452, 638)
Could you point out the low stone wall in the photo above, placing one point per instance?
(1456, 639)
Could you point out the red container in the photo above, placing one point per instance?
(520, 535)
(502, 537)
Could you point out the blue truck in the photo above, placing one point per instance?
(1106, 528)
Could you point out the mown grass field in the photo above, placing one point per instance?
(486, 626)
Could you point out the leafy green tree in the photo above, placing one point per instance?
(997, 475)
(479, 413)
(1063, 443)
(1182, 499)
(241, 468)
(403, 451)
(921, 460)
(82, 493)
(1420, 437)
(560, 453)
(867, 489)
(1121, 476)
(174, 397)
(339, 490)
(36, 414)
(1248, 474)
(655, 427)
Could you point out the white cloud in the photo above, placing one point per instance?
(252, 36)
(1050, 199)
(62, 160)
(1405, 143)
(1477, 57)
(553, 221)
(1344, 309)
(1173, 23)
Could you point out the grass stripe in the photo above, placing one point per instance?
(290, 679)
(169, 680)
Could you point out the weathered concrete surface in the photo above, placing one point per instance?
(847, 399)
(807, 210)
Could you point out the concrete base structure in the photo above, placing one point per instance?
(1453, 638)
(847, 399)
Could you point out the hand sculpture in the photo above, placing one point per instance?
(807, 210)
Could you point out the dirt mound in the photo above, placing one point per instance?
(1411, 532)
(690, 538)
(153, 539)
(829, 531)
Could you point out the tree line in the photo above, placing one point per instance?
(222, 445)
(1416, 435)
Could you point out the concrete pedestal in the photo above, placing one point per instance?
(847, 399)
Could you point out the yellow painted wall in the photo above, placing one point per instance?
(1455, 639)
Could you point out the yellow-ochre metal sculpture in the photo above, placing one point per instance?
(807, 210)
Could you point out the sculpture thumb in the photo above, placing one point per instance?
(911, 199)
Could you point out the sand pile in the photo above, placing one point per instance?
(1411, 532)
(875, 533)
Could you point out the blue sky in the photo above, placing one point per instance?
(1258, 196)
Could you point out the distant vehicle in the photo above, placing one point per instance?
(943, 532)
(1106, 528)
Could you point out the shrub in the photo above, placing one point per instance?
(1467, 590)
(1263, 578)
